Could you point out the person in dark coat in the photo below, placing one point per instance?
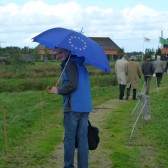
(148, 71)
(159, 69)
(166, 68)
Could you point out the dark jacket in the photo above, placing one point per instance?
(159, 67)
(148, 68)
(75, 87)
(166, 68)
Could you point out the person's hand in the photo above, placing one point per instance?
(54, 90)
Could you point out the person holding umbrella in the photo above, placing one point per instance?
(77, 105)
(73, 50)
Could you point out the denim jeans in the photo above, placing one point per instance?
(76, 124)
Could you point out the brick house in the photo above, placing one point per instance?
(109, 47)
(164, 51)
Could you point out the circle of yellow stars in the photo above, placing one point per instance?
(82, 43)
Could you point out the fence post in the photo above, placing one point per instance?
(5, 135)
(41, 108)
(97, 88)
(146, 110)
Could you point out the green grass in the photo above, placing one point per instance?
(31, 138)
(149, 145)
(26, 134)
(119, 126)
(29, 142)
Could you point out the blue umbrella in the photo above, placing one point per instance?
(77, 43)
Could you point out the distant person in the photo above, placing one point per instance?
(166, 68)
(133, 71)
(120, 69)
(148, 71)
(159, 69)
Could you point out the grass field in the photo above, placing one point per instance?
(34, 126)
(148, 146)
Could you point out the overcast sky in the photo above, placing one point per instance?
(126, 22)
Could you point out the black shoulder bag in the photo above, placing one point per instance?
(93, 137)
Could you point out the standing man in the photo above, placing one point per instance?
(77, 104)
(166, 68)
(148, 71)
(133, 72)
(159, 70)
(120, 69)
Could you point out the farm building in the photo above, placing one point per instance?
(164, 51)
(109, 47)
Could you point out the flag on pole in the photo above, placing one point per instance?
(163, 41)
(146, 39)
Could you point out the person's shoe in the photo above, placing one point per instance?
(134, 98)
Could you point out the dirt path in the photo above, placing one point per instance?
(99, 158)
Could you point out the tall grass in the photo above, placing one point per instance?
(39, 76)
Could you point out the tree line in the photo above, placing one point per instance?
(14, 53)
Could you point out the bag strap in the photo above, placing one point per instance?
(89, 123)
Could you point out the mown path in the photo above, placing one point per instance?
(99, 158)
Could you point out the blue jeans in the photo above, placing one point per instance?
(76, 124)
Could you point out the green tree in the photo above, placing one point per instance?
(158, 52)
(148, 53)
(120, 52)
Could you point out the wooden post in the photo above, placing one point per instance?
(5, 135)
(41, 108)
(97, 89)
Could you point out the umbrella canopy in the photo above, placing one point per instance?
(77, 43)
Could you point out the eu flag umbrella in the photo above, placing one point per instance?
(77, 43)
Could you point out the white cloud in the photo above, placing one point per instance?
(127, 27)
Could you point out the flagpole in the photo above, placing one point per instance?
(162, 38)
(143, 50)
(145, 40)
